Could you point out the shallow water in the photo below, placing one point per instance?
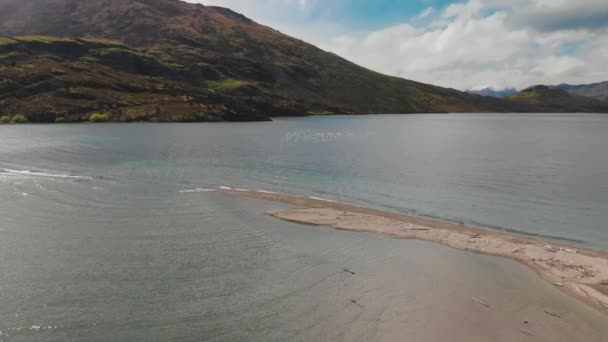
(213, 268)
(107, 233)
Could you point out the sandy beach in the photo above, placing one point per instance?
(580, 273)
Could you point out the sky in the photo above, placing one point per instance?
(468, 44)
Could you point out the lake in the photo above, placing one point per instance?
(107, 232)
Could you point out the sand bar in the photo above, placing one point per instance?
(581, 273)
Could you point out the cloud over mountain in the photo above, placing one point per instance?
(502, 43)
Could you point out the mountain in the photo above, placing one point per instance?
(168, 60)
(489, 91)
(555, 100)
(598, 91)
(46, 78)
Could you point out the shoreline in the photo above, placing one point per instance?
(580, 273)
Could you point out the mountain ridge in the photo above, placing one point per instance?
(493, 92)
(598, 91)
(556, 100)
(225, 66)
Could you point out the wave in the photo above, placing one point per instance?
(321, 199)
(37, 173)
(229, 188)
(224, 188)
(187, 191)
(266, 192)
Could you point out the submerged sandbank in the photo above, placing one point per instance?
(581, 273)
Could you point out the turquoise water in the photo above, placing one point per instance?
(104, 235)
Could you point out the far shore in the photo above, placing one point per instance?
(580, 273)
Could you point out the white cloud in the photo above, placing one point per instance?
(560, 66)
(551, 15)
(475, 43)
(425, 13)
(463, 10)
(500, 43)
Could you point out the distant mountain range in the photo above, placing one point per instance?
(555, 100)
(598, 91)
(489, 91)
(168, 60)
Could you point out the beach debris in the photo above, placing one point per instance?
(354, 301)
(525, 333)
(480, 302)
(476, 236)
(569, 250)
(586, 271)
(552, 314)
(559, 284)
(411, 228)
(550, 248)
(604, 283)
(349, 271)
(554, 249)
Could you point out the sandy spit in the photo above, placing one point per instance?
(580, 273)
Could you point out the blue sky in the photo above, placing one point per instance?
(461, 44)
(368, 15)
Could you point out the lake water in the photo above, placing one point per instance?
(106, 233)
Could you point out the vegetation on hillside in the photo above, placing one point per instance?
(18, 118)
(226, 84)
(320, 113)
(71, 78)
(100, 117)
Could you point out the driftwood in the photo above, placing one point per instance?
(526, 333)
(569, 250)
(354, 301)
(552, 314)
(349, 271)
(480, 302)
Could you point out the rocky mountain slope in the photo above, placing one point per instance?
(169, 60)
(554, 100)
(598, 91)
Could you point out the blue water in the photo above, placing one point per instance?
(104, 237)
